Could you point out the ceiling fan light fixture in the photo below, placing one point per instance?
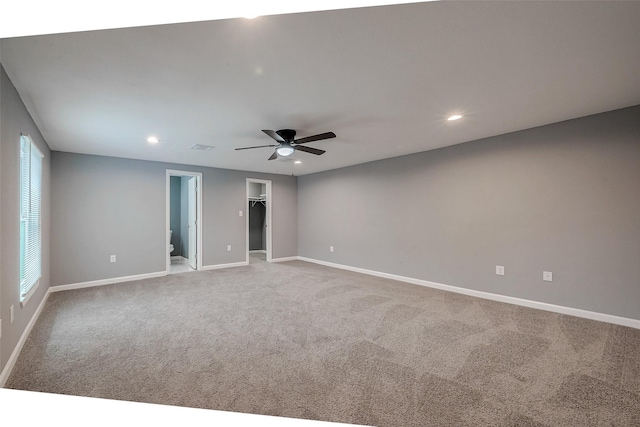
(285, 150)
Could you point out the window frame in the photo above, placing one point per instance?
(30, 273)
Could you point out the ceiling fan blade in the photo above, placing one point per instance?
(318, 137)
(257, 146)
(273, 135)
(309, 149)
(273, 156)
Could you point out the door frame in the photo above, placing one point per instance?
(199, 217)
(192, 213)
(267, 220)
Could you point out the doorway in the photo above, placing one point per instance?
(258, 222)
(184, 221)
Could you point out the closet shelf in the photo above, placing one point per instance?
(260, 199)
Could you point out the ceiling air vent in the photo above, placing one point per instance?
(202, 147)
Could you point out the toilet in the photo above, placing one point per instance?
(170, 244)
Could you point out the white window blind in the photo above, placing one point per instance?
(30, 215)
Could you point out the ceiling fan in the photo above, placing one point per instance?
(286, 144)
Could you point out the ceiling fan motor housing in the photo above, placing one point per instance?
(287, 134)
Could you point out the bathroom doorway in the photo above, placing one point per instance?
(184, 221)
(258, 223)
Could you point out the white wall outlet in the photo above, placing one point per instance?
(239, 213)
(547, 276)
(500, 270)
(11, 314)
(112, 258)
(228, 248)
(330, 248)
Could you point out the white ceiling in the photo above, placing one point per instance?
(384, 79)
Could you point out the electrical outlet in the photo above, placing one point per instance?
(112, 258)
(547, 276)
(500, 270)
(228, 248)
(11, 314)
(240, 213)
(330, 248)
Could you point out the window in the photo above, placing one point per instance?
(30, 213)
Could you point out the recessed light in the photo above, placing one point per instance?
(454, 117)
(297, 162)
(153, 140)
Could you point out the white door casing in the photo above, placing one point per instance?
(198, 214)
(268, 220)
(192, 222)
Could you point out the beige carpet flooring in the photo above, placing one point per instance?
(300, 340)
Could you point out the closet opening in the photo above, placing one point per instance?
(184, 222)
(258, 228)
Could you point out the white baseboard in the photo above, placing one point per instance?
(219, 266)
(608, 318)
(6, 372)
(258, 251)
(103, 282)
(289, 258)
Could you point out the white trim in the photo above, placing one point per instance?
(103, 282)
(259, 251)
(268, 221)
(199, 182)
(602, 317)
(285, 259)
(6, 372)
(23, 301)
(220, 266)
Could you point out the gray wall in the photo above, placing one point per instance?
(175, 213)
(14, 119)
(106, 205)
(256, 188)
(563, 198)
